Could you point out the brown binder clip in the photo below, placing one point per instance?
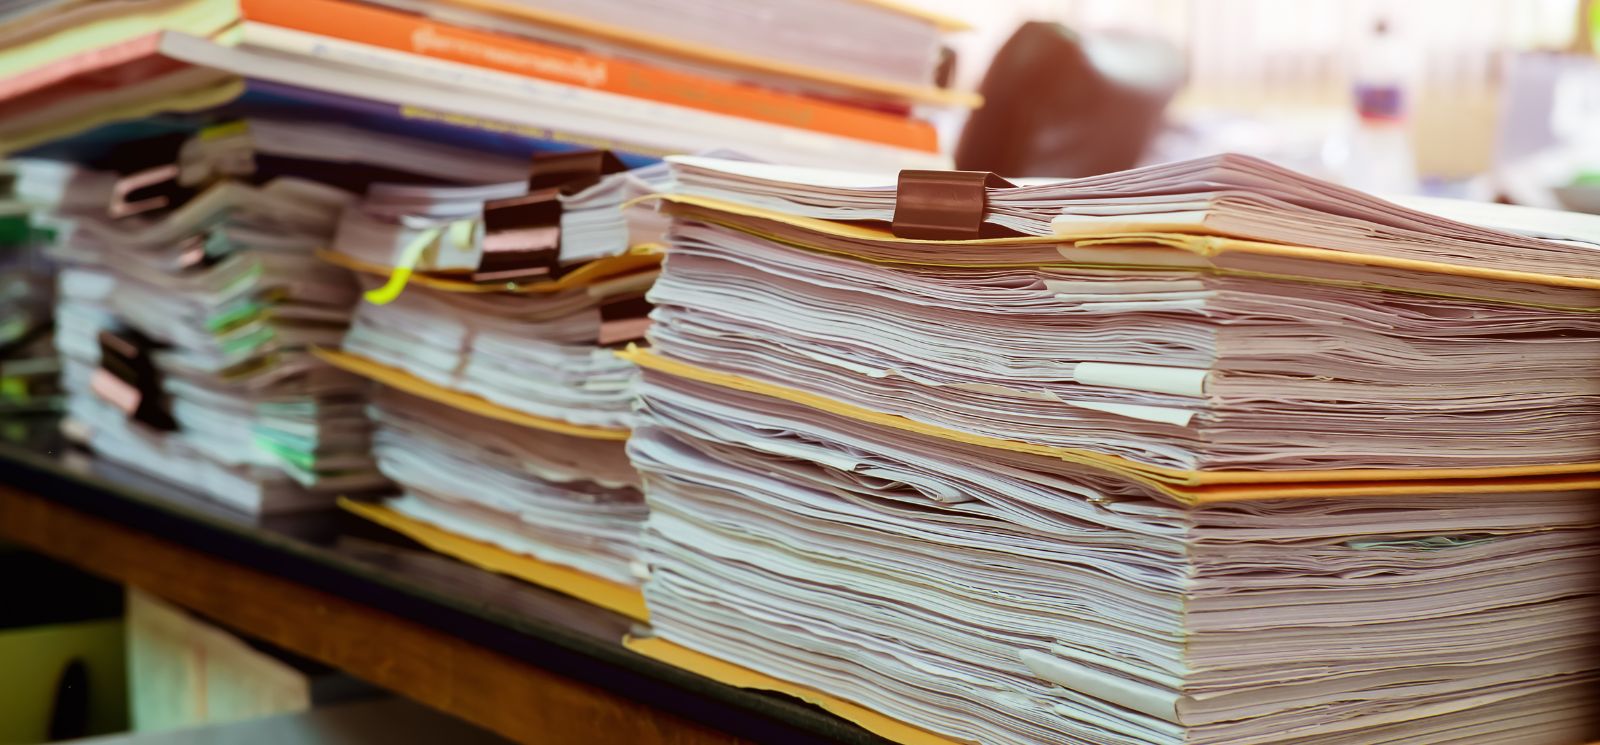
(522, 235)
(145, 191)
(128, 378)
(149, 181)
(623, 320)
(943, 205)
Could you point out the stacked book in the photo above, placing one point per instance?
(189, 300)
(499, 75)
(1207, 452)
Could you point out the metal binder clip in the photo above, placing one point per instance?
(128, 378)
(623, 319)
(943, 205)
(522, 235)
(150, 176)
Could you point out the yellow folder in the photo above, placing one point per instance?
(638, 258)
(1162, 238)
(401, 380)
(1185, 486)
(613, 596)
(728, 673)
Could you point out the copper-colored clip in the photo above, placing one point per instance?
(943, 205)
(572, 172)
(149, 175)
(143, 191)
(129, 380)
(522, 235)
(623, 319)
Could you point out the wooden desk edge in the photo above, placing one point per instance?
(507, 696)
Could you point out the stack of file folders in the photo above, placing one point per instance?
(499, 319)
(567, 500)
(190, 297)
(1206, 452)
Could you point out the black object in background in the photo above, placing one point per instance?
(69, 718)
(47, 592)
(1056, 104)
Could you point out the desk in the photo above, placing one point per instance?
(530, 664)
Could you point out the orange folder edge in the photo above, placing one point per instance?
(1204, 244)
(516, 55)
(612, 596)
(928, 94)
(728, 673)
(403, 381)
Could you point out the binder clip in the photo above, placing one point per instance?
(944, 205)
(128, 379)
(522, 235)
(150, 172)
(623, 319)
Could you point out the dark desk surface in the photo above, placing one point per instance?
(552, 639)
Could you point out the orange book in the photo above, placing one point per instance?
(409, 33)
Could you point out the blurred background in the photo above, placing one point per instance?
(1482, 99)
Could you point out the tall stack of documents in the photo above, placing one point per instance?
(498, 308)
(1208, 452)
(189, 301)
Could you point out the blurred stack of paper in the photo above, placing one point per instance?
(561, 221)
(186, 327)
(1195, 339)
(567, 500)
(28, 367)
(67, 66)
(506, 302)
(24, 278)
(1261, 460)
(535, 353)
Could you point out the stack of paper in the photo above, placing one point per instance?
(562, 499)
(536, 353)
(453, 231)
(24, 278)
(186, 335)
(28, 365)
(531, 459)
(1259, 460)
(1268, 350)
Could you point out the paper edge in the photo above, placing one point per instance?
(628, 601)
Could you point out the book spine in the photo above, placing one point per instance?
(78, 64)
(416, 35)
(649, 125)
(417, 121)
